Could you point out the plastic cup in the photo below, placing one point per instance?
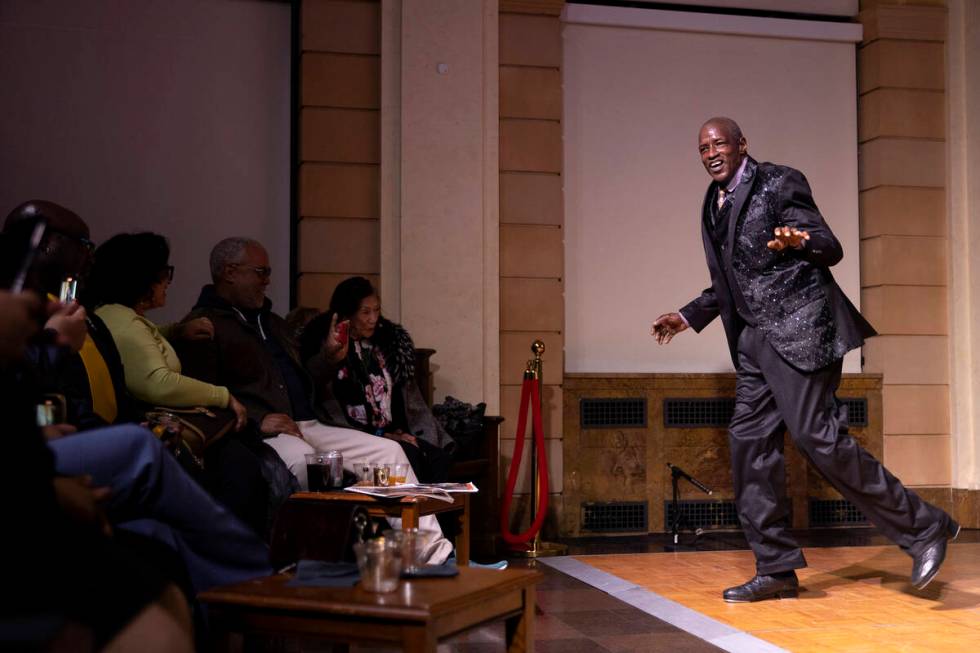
(414, 544)
(380, 564)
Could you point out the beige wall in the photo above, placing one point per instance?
(904, 262)
(963, 136)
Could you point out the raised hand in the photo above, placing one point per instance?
(68, 322)
(337, 341)
(667, 326)
(788, 237)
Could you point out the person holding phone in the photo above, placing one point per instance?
(254, 354)
(364, 367)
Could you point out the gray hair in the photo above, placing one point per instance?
(227, 252)
(728, 124)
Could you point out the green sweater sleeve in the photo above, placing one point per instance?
(152, 368)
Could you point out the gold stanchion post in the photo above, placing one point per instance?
(539, 548)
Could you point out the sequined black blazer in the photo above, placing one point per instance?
(792, 294)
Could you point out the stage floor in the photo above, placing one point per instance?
(854, 598)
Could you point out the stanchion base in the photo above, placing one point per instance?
(678, 548)
(542, 550)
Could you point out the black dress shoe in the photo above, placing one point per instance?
(926, 565)
(953, 529)
(784, 586)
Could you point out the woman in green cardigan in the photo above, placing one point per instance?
(130, 276)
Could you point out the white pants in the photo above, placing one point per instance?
(355, 446)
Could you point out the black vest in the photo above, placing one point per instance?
(719, 235)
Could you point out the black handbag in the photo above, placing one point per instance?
(318, 530)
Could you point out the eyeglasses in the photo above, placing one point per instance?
(261, 272)
(167, 273)
(51, 245)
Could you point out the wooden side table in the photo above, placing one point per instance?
(416, 615)
(408, 509)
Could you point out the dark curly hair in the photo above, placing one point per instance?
(126, 267)
(349, 294)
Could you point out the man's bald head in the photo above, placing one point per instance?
(65, 251)
(56, 216)
(727, 124)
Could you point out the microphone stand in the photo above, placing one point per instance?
(676, 473)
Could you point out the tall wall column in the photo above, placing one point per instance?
(439, 197)
(963, 129)
(531, 221)
(338, 146)
(902, 179)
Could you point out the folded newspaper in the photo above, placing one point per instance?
(440, 491)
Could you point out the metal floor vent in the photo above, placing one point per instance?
(613, 413)
(717, 411)
(835, 512)
(695, 413)
(702, 514)
(857, 410)
(614, 516)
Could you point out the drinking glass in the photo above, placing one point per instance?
(364, 470)
(414, 544)
(380, 564)
(398, 473)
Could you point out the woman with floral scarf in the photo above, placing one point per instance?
(364, 367)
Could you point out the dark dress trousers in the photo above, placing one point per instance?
(788, 326)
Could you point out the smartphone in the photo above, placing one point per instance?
(69, 289)
(343, 330)
(52, 409)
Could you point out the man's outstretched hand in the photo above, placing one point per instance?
(667, 326)
(788, 237)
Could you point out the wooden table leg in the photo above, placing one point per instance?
(463, 539)
(419, 639)
(410, 515)
(519, 629)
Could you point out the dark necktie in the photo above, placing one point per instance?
(721, 217)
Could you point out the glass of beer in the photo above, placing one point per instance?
(398, 473)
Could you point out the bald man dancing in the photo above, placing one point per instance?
(788, 326)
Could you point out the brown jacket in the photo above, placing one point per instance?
(238, 359)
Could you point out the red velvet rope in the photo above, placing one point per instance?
(529, 392)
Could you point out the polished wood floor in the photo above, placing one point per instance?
(855, 599)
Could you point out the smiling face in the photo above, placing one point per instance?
(721, 152)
